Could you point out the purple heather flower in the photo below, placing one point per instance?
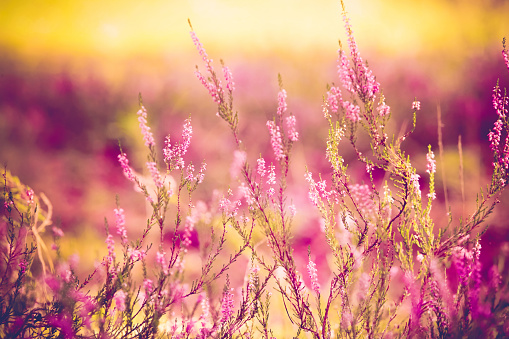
(120, 222)
(281, 98)
(227, 306)
(431, 165)
(290, 125)
(313, 276)
(334, 99)
(145, 130)
(111, 249)
(416, 105)
(260, 169)
(154, 172)
(128, 172)
(119, 298)
(272, 175)
(352, 111)
(230, 85)
(275, 139)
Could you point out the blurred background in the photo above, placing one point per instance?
(71, 72)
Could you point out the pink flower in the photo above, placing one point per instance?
(494, 136)
(414, 183)
(229, 208)
(210, 86)
(145, 130)
(253, 278)
(352, 45)
(260, 167)
(352, 111)
(148, 286)
(111, 249)
(190, 172)
(205, 307)
(188, 229)
(383, 109)
(416, 105)
(136, 255)
(161, 260)
(128, 171)
(227, 306)
(292, 209)
(431, 166)
(120, 222)
(57, 232)
(187, 133)
(344, 72)
(372, 86)
(270, 192)
(174, 154)
(230, 85)
(30, 195)
(357, 77)
(154, 172)
(334, 99)
(290, 125)
(169, 153)
(246, 193)
(201, 174)
(318, 191)
(119, 298)
(314, 195)
(23, 264)
(271, 180)
(275, 139)
(8, 203)
(213, 85)
(499, 102)
(281, 97)
(200, 48)
(313, 276)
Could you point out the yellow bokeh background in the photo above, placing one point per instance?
(122, 29)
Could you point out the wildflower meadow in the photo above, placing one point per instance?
(347, 230)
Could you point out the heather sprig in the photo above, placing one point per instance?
(268, 208)
(413, 222)
(211, 81)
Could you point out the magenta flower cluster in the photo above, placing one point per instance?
(174, 154)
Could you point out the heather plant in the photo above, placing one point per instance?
(389, 267)
(387, 224)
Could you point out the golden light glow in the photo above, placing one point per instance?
(134, 27)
